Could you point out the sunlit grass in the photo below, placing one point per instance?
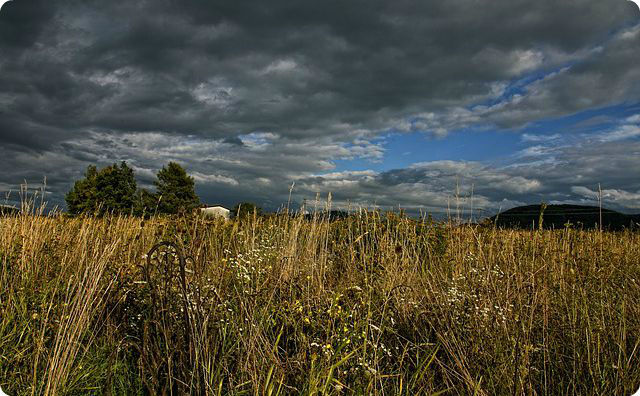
(374, 304)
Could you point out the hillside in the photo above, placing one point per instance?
(557, 216)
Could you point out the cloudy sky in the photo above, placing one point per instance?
(388, 103)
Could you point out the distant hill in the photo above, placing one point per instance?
(556, 216)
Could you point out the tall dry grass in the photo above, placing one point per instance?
(374, 304)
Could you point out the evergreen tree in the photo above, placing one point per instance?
(109, 190)
(175, 190)
(146, 203)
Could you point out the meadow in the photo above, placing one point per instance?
(373, 304)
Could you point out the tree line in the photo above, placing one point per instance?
(113, 189)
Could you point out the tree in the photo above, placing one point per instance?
(175, 190)
(146, 203)
(245, 209)
(109, 190)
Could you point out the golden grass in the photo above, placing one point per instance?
(374, 304)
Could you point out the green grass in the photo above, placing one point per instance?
(374, 304)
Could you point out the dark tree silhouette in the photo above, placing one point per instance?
(175, 190)
(245, 209)
(109, 190)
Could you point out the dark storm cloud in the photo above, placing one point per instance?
(23, 22)
(253, 95)
(294, 67)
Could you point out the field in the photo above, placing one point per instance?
(372, 304)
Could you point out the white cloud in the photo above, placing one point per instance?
(633, 119)
(258, 140)
(204, 178)
(281, 66)
(526, 60)
(585, 192)
(617, 196)
(527, 137)
(536, 151)
(214, 93)
(621, 133)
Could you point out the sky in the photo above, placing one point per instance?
(422, 105)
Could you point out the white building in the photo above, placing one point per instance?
(216, 211)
